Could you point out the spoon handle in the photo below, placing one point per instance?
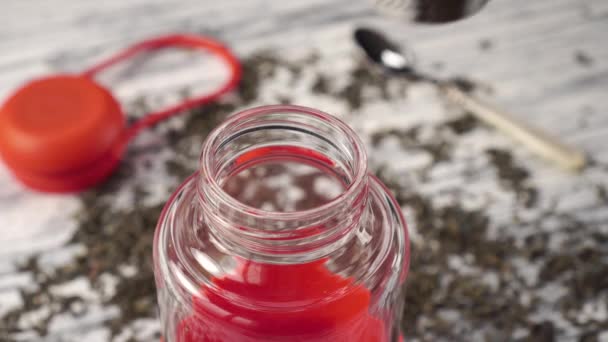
(538, 142)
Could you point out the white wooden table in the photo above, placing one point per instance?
(536, 66)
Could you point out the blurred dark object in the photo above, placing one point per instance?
(430, 11)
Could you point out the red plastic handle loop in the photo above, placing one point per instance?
(181, 41)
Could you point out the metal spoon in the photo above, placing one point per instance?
(388, 55)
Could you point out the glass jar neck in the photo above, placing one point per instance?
(282, 133)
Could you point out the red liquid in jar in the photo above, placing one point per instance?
(344, 318)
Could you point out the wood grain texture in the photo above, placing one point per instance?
(545, 61)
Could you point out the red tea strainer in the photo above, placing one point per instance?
(66, 133)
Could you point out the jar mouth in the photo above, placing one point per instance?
(236, 124)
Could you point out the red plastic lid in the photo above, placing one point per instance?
(57, 133)
(66, 133)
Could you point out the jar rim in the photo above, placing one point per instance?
(358, 178)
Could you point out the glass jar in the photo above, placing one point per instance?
(282, 235)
